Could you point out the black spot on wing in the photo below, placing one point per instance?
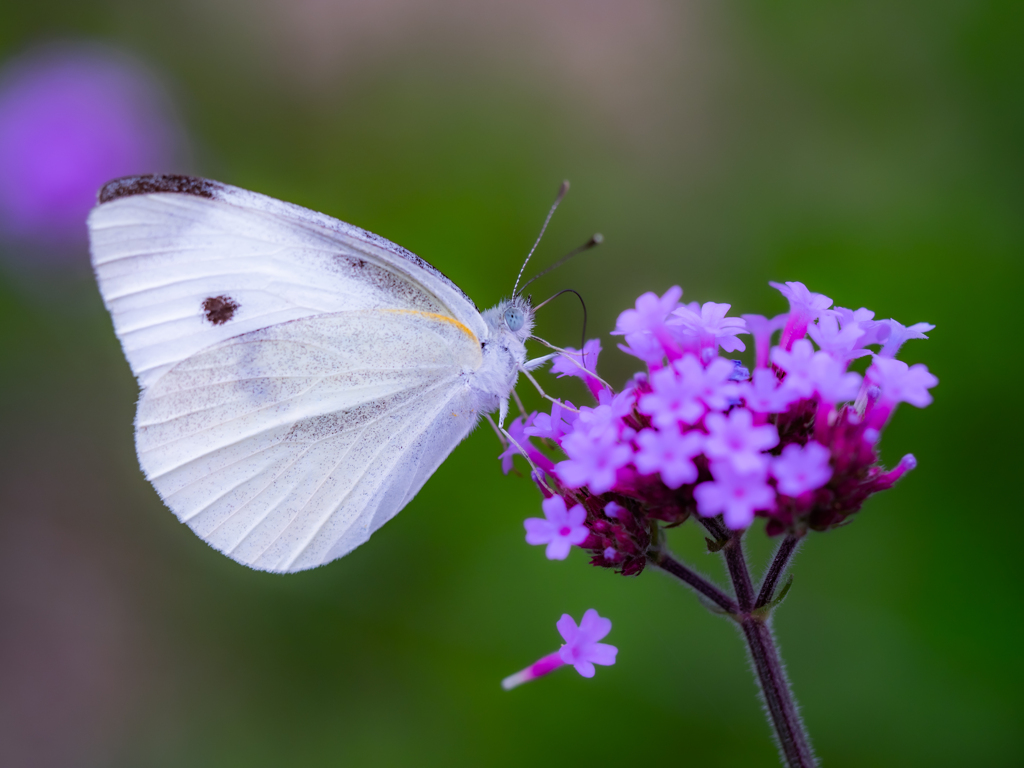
(219, 309)
(144, 185)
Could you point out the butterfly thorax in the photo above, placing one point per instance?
(504, 350)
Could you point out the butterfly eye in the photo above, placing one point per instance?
(514, 318)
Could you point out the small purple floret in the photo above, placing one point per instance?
(560, 528)
(799, 470)
(576, 363)
(594, 459)
(804, 308)
(707, 328)
(899, 333)
(582, 648)
(670, 453)
(733, 494)
(765, 394)
(736, 440)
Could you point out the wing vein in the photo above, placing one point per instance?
(323, 520)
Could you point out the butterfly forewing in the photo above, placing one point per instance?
(182, 271)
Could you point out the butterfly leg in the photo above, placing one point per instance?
(502, 415)
(498, 432)
(534, 469)
(544, 394)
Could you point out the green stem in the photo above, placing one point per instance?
(792, 740)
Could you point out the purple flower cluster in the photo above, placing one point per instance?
(794, 440)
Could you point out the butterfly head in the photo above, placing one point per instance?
(512, 316)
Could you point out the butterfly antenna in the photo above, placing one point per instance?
(597, 239)
(583, 304)
(554, 206)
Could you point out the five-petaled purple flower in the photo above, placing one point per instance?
(734, 494)
(560, 528)
(582, 649)
(799, 470)
(594, 459)
(669, 453)
(735, 439)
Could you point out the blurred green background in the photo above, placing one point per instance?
(873, 150)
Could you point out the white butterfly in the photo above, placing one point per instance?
(301, 378)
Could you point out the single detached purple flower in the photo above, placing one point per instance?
(735, 439)
(801, 469)
(581, 650)
(735, 495)
(71, 119)
(559, 529)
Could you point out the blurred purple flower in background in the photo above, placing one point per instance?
(73, 117)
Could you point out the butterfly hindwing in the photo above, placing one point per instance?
(287, 447)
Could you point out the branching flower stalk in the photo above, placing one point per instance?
(698, 435)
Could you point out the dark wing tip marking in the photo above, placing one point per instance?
(144, 185)
(219, 309)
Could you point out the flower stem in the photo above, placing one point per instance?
(778, 698)
(736, 562)
(693, 580)
(776, 569)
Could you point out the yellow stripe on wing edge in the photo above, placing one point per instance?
(435, 316)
